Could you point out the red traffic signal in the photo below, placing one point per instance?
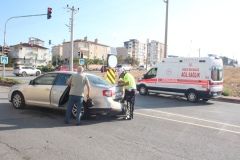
(82, 54)
(49, 13)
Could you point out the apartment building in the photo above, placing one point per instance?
(137, 49)
(155, 52)
(32, 53)
(90, 49)
(57, 50)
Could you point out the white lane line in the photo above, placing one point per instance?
(193, 124)
(200, 119)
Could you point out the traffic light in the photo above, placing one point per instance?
(81, 54)
(78, 53)
(50, 42)
(49, 13)
(1, 49)
(5, 50)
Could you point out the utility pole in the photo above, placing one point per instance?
(199, 52)
(166, 28)
(72, 19)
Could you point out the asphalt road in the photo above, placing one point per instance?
(164, 127)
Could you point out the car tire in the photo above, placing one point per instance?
(192, 96)
(37, 73)
(24, 74)
(17, 75)
(18, 100)
(85, 111)
(143, 90)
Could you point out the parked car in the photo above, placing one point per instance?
(142, 67)
(124, 66)
(65, 68)
(105, 68)
(50, 90)
(26, 70)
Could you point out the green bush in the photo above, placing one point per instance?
(45, 69)
(226, 92)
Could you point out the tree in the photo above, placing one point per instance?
(120, 59)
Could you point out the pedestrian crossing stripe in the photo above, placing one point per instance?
(110, 76)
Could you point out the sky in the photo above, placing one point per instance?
(195, 27)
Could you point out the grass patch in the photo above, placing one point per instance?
(9, 80)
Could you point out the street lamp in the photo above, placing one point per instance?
(166, 27)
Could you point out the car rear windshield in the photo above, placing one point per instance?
(217, 73)
(97, 80)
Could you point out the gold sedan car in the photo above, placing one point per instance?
(50, 90)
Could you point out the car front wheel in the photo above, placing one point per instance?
(18, 100)
(143, 90)
(37, 73)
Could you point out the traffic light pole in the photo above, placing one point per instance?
(3, 73)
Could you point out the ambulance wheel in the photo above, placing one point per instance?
(192, 96)
(143, 90)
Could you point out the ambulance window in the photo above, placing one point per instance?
(152, 73)
(217, 73)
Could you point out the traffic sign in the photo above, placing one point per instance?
(4, 60)
(112, 61)
(81, 61)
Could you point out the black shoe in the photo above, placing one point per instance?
(66, 122)
(77, 124)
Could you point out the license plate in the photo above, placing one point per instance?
(118, 93)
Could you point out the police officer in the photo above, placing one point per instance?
(128, 81)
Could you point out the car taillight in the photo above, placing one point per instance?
(108, 93)
(208, 86)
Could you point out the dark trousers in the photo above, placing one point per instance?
(130, 98)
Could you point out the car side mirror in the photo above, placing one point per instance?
(31, 82)
(144, 76)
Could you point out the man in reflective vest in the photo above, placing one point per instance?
(128, 81)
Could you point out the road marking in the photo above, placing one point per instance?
(179, 115)
(193, 124)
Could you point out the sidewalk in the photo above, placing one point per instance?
(228, 99)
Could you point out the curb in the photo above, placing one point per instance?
(228, 99)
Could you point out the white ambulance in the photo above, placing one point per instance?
(194, 78)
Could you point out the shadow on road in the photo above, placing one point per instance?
(37, 117)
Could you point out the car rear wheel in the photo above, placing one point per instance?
(24, 74)
(18, 100)
(84, 111)
(192, 96)
(143, 90)
(37, 73)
